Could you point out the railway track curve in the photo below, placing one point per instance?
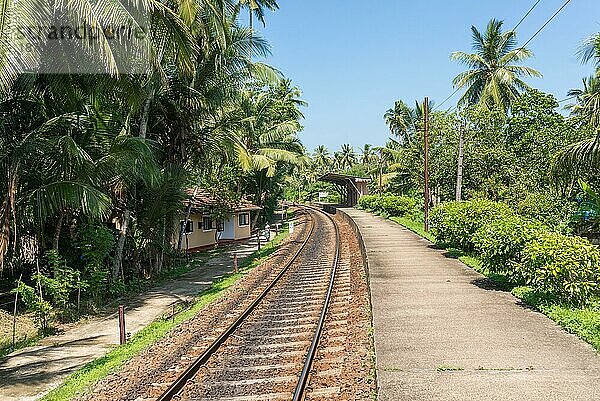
(268, 351)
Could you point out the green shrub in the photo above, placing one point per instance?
(455, 223)
(397, 206)
(567, 267)
(36, 304)
(388, 205)
(96, 244)
(369, 202)
(501, 241)
(548, 209)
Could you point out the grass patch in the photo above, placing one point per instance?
(6, 347)
(126, 292)
(82, 381)
(481, 368)
(583, 322)
(449, 368)
(392, 369)
(414, 226)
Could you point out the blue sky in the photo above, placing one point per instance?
(353, 59)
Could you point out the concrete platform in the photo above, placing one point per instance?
(442, 333)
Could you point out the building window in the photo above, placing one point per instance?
(220, 226)
(189, 226)
(207, 224)
(200, 225)
(243, 219)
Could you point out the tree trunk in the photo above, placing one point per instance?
(459, 173)
(118, 263)
(57, 230)
(161, 255)
(188, 211)
(380, 177)
(146, 115)
(251, 22)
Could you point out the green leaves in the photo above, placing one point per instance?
(455, 223)
(562, 266)
(492, 79)
(500, 242)
(567, 267)
(58, 196)
(391, 205)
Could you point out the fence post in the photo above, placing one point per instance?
(122, 335)
(14, 328)
(235, 263)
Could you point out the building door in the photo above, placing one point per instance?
(228, 228)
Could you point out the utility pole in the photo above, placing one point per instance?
(380, 174)
(461, 156)
(426, 134)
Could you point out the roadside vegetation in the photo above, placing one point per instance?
(556, 273)
(514, 182)
(96, 168)
(82, 380)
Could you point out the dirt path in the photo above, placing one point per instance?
(30, 373)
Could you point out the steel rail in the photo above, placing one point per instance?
(312, 351)
(173, 390)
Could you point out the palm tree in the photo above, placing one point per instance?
(347, 157)
(400, 120)
(586, 113)
(367, 155)
(168, 35)
(117, 150)
(256, 8)
(322, 158)
(590, 50)
(587, 108)
(493, 78)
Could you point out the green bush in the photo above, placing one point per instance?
(567, 267)
(500, 243)
(397, 206)
(368, 202)
(388, 205)
(548, 209)
(455, 223)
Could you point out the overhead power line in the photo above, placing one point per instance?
(565, 99)
(547, 22)
(526, 15)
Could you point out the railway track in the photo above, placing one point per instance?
(267, 353)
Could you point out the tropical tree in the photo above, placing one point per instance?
(400, 120)
(367, 155)
(586, 114)
(590, 50)
(256, 8)
(494, 75)
(103, 161)
(347, 157)
(322, 158)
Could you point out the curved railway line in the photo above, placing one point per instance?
(268, 351)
